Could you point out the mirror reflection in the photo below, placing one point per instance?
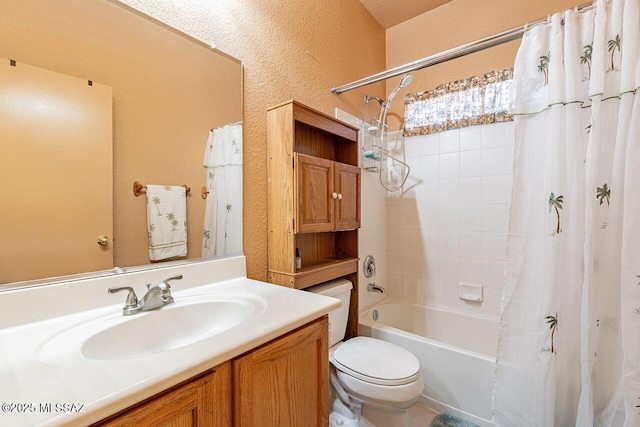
(95, 96)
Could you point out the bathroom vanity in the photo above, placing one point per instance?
(229, 351)
(284, 382)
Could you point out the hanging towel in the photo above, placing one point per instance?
(166, 221)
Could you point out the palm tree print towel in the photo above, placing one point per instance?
(166, 222)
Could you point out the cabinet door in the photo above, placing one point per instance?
(285, 383)
(204, 402)
(314, 188)
(347, 186)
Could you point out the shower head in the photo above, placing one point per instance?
(404, 82)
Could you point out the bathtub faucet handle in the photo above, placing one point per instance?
(372, 287)
(369, 267)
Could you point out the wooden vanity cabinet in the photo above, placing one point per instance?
(313, 190)
(204, 401)
(284, 382)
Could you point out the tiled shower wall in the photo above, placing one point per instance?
(450, 224)
(372, 236)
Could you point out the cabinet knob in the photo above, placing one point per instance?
(334, 196)
(103, 240)
(339, 196)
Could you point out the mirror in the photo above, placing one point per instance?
(167, 92)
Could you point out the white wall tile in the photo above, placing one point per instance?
(471, 244)
(431, 241)
(494, 161)
(412, 146)
(450, 141)
(470, 271)
(411, 290)
(430, 167)
(470, 306)
(470, 217)
(510, 151)
(470, 190)
(394, 263)
(450, 224)
(471, 163)
(429, 267)
(494, 189)
(450, 165)
(471, 138)
(449, 191)
(449, 218)
(494, 135)
(493, 273)
(430, 144)
(429, 217)
(494, 217)
(411, 265)
(447, 294)
(494, 246)
(511, 133)
(492, 302)
(427, 193)
(449, 243)
(394, 286)
(409, 217)
(449, 269)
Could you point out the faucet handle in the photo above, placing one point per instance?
(132, 298)
(166, 281)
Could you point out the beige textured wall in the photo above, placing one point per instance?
(454, 24)
(289, 50)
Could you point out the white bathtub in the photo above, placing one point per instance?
(456, 353)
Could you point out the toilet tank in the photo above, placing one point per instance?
(341, 289)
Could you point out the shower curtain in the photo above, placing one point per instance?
(568, 351)
(223, 216)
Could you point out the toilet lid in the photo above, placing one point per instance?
(376, 361)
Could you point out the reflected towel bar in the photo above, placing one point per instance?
(137, 188)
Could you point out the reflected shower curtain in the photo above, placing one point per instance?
(223, 217)
(568, 350)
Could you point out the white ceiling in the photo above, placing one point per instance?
(392, 12)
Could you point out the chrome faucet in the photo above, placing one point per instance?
(372, 287)
(157, 296)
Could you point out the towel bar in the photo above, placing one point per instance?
(137, 188)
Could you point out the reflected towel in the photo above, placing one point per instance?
(166, 221)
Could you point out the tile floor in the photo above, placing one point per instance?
(420, 416)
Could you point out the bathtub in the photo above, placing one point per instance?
(456, 353)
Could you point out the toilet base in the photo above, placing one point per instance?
(385, 417)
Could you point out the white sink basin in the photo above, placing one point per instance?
(189, 320)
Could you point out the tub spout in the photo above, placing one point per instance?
(372, 287)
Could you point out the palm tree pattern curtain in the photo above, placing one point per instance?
(467, 102)
(223, 216)
(569, 342)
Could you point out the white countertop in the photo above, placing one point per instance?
(103, 387)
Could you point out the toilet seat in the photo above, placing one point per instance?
(376, 362)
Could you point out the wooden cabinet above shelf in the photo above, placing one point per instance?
(313, 199)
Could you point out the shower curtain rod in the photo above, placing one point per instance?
(448, 55)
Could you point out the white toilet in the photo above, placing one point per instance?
(373, 382)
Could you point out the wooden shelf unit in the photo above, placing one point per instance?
(313, 199)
